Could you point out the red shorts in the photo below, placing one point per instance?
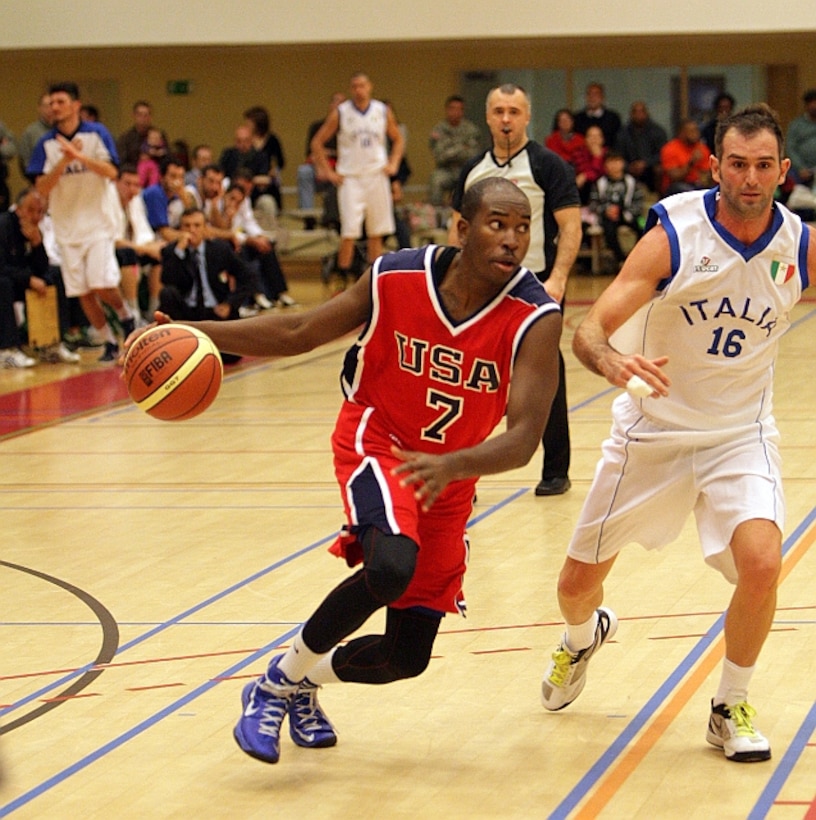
(372, 496)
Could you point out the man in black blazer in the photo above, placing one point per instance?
(192, 261)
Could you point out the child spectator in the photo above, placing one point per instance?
(153, 149)
(617, 200)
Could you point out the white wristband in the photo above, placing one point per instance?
(638, 388)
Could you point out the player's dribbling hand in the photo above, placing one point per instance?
(428, 474)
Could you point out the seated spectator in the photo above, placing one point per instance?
(166, 201)
(723, 105)
(268, 143)
(617, 200)
(564, 140)
(453, 142)
(202, 157)
(136, 245)
(308, 182)
(244, 155)
(153, 150)
(589, 161)
(202, 278)
(24, 265)
(801, 142)
(257, 249)
(639, 142)
(685, 161)
(595, 112)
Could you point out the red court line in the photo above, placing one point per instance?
(24, 410)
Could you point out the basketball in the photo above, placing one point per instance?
(173, 372)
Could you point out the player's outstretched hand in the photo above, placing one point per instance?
(428, 474)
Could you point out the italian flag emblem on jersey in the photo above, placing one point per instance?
(781, 272)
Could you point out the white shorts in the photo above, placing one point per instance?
(649, 479)
(91, 266)
(366, 198)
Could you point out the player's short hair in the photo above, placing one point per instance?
(748, 121)
(475, 196)
(71, 89)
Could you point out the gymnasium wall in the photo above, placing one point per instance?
(295, 80)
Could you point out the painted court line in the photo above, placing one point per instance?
(232, 671)
(708, 651)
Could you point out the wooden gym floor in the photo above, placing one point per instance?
(150, 569)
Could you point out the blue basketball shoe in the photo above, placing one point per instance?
(308, 724)
(265, 702)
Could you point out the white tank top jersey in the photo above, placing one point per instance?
(361, 138)
(719, 316)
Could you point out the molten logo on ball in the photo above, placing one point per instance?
(173, 372)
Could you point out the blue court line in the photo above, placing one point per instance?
(90, 758)
(143, 726)
(172, 622)
(786, 765)
(596, 772)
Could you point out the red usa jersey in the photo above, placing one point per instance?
(435, 384)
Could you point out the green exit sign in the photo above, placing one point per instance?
(179, 86)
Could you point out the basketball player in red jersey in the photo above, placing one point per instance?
(428, 379)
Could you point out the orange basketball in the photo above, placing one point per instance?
(173, 372)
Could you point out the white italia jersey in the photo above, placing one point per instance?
(362, 138)
(79, 204)
(720, 314)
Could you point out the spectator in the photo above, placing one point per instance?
(242, 154)
(33, 131)
(596, 113)
(589, 161)
(801, 142)
(685, 160)
(256, 249)
(364, 168)
(89, 113)
(74, 164)
(555, 237)
(202, 278)
(153, 149)
(617, 200)
(202, 157)
(166, 200)
(564, 140)
(307, 180)
(723, 105)
(453, 142)
(8, 149)
(639, 142)
(24, 266)
(136, 244)
(129, 144)
(268, 143)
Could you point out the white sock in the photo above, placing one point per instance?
(580, 636)
(124, 312)
(733, 683)
(323, 671)
(105, 333)
(298, 660)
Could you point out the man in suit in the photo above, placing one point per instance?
(202, 279)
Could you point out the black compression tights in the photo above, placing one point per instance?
(402, 652)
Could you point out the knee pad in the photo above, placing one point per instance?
(389, 563)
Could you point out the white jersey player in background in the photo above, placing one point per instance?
(712, 283)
